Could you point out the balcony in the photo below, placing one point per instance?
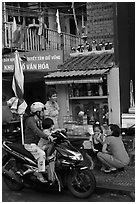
(27, 39)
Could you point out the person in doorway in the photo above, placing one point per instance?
(44, 144)
(33, 133)
(52, 107)
(113, 155)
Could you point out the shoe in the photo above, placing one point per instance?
(111, 169)
(50, 157)
(102, 168)
(41, 178)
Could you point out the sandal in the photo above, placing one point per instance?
(41, 178)
(111, 169)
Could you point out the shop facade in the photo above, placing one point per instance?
(88, 83)
(36, 65)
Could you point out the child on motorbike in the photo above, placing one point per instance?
(33, 133)
(48, 146)
(44, 144)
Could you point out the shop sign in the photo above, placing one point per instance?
(36, 61)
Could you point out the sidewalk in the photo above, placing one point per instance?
(121, 181)
(118, 181)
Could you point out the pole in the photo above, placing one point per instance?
(22, 133)
(75, 19)
(116, 55)
(5, 21)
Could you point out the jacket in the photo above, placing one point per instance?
(32, 131)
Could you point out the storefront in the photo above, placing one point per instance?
(88, 83)
(36, 65)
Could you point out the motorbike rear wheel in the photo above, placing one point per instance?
(81, 183)
(11, 178)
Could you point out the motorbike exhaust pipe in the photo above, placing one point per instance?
(9, 175)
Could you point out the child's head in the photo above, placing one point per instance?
(47, 123)
(97, 128)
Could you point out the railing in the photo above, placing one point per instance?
(27, 39)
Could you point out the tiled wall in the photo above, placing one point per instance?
(100, 26)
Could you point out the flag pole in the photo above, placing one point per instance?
(18, 88)
(22, 133)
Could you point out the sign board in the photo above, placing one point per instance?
(36, 61)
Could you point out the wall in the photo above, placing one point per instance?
(7, 89)
(114, 96)
(115, 22)
(100, 21)
(52, 19)
(126, 49)
(63, 102)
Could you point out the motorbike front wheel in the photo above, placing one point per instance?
(81, 183)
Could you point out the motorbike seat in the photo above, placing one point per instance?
(20, 149)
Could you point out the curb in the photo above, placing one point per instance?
(126, 189)
(117, 190)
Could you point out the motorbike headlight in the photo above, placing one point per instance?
(77, 157)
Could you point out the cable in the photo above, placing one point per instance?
(26, 10)
(22, 12)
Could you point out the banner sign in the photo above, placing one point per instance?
(36, 61)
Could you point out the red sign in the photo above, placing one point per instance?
(36, 61)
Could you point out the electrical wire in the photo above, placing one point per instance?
(13, 10)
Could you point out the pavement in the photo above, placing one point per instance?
(121, 181)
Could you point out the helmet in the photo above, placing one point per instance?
(36, 106)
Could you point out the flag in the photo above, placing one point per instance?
(18, 85)
(58, 22)
(41, 24)
(15, 33)
(22, 33)
(14, 28)
(18, 77)
(17, 103)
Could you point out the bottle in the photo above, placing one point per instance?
(77, 92)
(85, 120)
(100, 91)
(70, 91)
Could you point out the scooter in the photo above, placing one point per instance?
(20, 167)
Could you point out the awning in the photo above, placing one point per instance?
(78, 73)
(82, 76)
(82, 69)
(77, 81)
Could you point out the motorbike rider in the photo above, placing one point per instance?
(33, 132)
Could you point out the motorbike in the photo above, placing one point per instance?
(19, 168)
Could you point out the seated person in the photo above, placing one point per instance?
(113, 155)
(96, 143)
(97, 138)
(44, 144)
